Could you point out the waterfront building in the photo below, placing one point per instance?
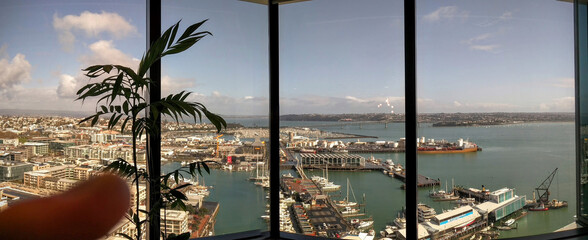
(502, 203)
(452, 222)
(176, 222)
(12, 171)
(338, 160)
(422, 233)
(425, 213)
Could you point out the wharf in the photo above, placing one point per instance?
(422, 181)
(320, 217)
(367, 167)
(480, 196)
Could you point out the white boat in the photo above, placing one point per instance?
(509, 222)
(349, 210)
(400, 222)
(365, 224)
(330, 187)
(346, 202)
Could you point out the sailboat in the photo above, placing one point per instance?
(258, 177)
(346, 202)
(324, 183)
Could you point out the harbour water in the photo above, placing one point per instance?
(518, 156)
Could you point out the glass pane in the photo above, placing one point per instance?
(497, 116)
(582, 57)
(44, 150)
(342, 107)
(228, 73)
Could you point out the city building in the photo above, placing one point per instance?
(451, 223)
(176, 222)
(13, 171)
(502, 203)
(37, 148)
(338, 160)
(103, 151)
(9, 141)
(36, 178)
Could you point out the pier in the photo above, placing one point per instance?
(422, 181)
(477, 194)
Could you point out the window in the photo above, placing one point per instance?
(347, 58)
(227, 71)
(484, 86)
(341, 96)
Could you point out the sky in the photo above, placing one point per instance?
(336, 56)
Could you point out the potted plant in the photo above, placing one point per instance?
(119, 90)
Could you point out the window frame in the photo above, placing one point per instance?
(154, 30)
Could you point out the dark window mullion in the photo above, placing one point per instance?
(410, 97)
(274, 114)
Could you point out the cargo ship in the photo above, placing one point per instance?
(434, 147)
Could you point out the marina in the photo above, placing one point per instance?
(382, 206)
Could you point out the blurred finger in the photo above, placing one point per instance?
(87, 211)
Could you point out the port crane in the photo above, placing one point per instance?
(543, 189)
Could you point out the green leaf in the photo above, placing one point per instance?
(107, 68)
(192, 168)
(191, 29)
(206, 167)
(182, 186)
(125, 236)
(173, 33)
(183, 236)
(95, 120)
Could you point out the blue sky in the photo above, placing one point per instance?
(336, 56)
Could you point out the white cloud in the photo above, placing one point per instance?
(564, 83)
(354, 99)
(101, 52)
(104, 52)
(491, 21)
(171, 85)
(92, 24)
(14, 72)
(348, 104)
(478, 38)
(506, 15)
(486, 48)
(480, 43)
(435, 106)
(39, 98)
(219, 103)
(447, 12)
(68, 86)
(564, 104)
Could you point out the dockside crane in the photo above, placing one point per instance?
(543, 189)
